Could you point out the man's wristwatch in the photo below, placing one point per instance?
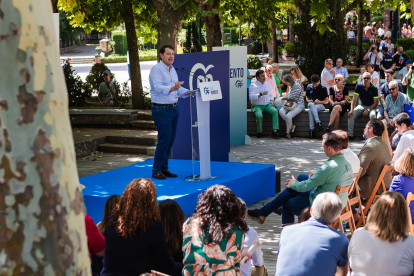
(261, 94)
(369, 110)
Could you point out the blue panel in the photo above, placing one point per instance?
(219, 109)
(251, 182)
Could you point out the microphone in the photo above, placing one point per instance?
(190, 74)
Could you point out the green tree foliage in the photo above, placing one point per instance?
(406, 43)
(78, 91)
(187, 44)
(195, 37)
(68, 32)
(316, 45)
(253, 62)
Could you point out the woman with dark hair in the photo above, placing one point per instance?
(214, 234)
(109, 207)
(173, 218)
(383, 247)
(134, 236)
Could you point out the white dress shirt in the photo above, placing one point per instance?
(352, 159)
(251, 238)
(406, 141)
(254, 91)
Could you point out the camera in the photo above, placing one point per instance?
(412, 67)
(372, 49)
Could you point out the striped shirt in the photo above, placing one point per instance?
(296, 94)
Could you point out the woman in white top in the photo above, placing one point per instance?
(383, 247)
(374, 75)
(297, 74)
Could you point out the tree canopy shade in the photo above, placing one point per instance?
(42, 224)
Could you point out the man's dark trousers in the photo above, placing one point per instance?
(165, 119)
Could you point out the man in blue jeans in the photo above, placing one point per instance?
(164, 88)
(299, 194)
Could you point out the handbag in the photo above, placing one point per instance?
(291, 104)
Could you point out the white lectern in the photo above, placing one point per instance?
(200, 129)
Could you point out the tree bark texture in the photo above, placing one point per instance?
(291, 21)
(135, 70)
(359, 33)
(169, 24)
(42, 221)
(55, 6)
(274, 43)
(213, 30)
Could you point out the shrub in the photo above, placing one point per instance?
(147, 98)
(112, 59)
(290, 48)
(122, 94)
(121, 45)
(410, 54)
(253, 62)
(365, 46)
(78, 91)
(280, 50)
(95, 77)
(407, 43)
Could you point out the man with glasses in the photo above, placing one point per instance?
(368, 101)
(403, 125)
(384, 92)
(339, 69)
(327, 75)
(394, 104)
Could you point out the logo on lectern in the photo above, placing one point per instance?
(200, 77)
(206, 91)
(239, 83)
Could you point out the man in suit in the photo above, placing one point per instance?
(373, 156)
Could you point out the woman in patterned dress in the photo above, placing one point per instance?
(214, 235)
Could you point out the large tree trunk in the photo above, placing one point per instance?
(136, 83)
(274, 43)
(291, 21)
(42, 222)
(359, 33)
(213, 30)
(55, 6)
(169, 24)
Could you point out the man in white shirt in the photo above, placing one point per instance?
(262, 101)
(403, 123)
(327, 75)
(251, 238)
(347, 153)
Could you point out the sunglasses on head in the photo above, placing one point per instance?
(367, 78)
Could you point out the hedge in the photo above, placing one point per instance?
(409, 53)
(254, 62)
(407, 43)
(121, 45)
(117, 59)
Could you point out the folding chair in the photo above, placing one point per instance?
(357, 198)
(347, 211)
(410, 197)
(374, 195)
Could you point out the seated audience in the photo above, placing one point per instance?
(382, 246)
(375, 79)
(296, 95)
(317, 97)
(404, 181)
(394, 104)
(368, 97)
(134, 236)
(313, 247)
(251, 237)
(96, 244)
(387, 62)
(300, 194)
(338, 99)
(348, 153)
(298, 75)
(276, 69)
(284, 55)
(214, 234)
(109, 207)
(384, 92)
(262, 101)
(406, 76)
(362, 69)
(270, 79)
(327, 74)
(403, 125)
(173, 218)
(373, 155)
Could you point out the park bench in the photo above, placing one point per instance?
(302, 124)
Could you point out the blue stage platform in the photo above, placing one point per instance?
(251, 182)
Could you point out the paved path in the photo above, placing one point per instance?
(291, 156)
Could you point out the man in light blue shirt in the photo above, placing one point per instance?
(339, 69)
(164, 89)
